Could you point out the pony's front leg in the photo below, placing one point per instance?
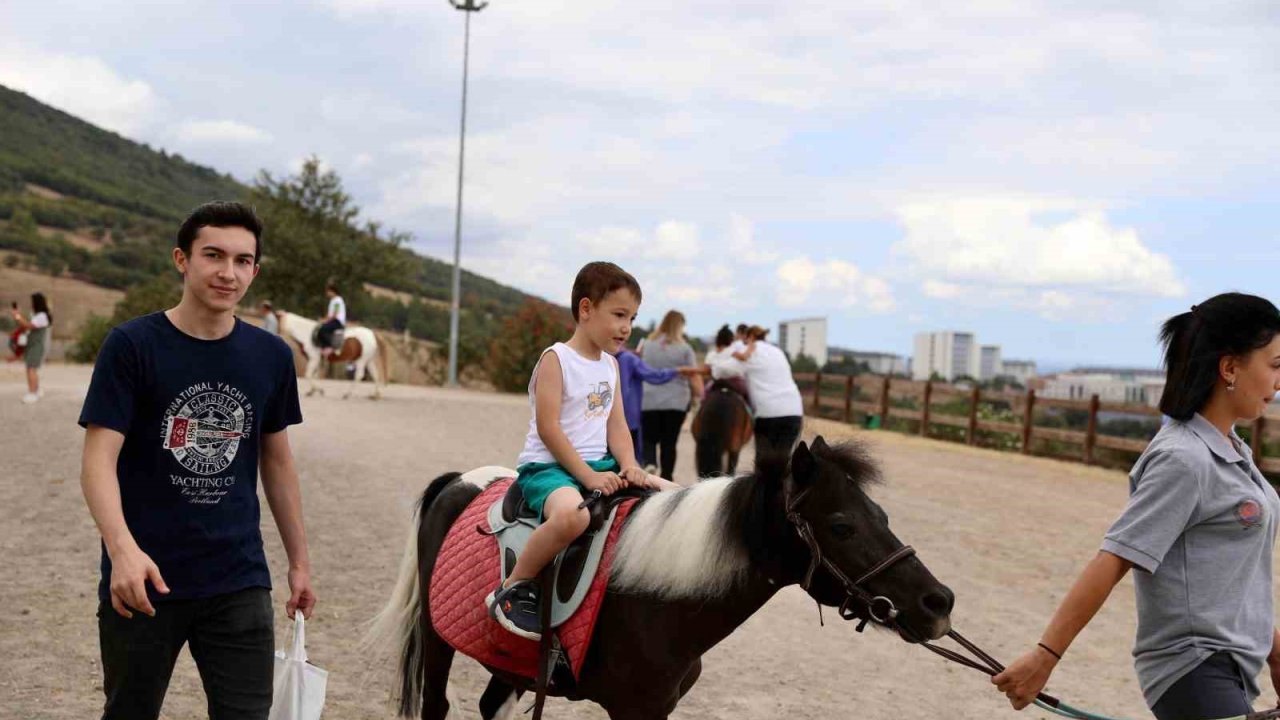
(313, 362)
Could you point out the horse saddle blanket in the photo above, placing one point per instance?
(336, 337)
(480, 550)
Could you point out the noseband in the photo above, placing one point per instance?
(879, 609)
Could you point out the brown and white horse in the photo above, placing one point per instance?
(360, 346)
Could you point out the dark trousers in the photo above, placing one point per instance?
(660, 430)
(231, 639)
(778, 433)
(326, 331)
(1214, 689)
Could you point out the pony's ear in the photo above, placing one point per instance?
(803, 464)
(819, 445)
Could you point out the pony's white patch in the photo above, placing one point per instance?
(680, 553)
(482, 477)
(508, 709)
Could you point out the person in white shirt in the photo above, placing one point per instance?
(778, 405)
(335, 320)
(37, 329)
(723, 367)
(270, 321)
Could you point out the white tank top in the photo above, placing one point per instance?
(585, 402)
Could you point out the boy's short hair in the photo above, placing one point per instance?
(596, 280)
(743, 328)
(220, 214)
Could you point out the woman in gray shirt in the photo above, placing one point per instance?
(1199, 527)
(663, 407)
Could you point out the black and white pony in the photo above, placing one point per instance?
(691, 566)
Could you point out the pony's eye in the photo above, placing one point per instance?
(842, 531)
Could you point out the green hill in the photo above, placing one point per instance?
(82, 201)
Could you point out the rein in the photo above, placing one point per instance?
(882, 611)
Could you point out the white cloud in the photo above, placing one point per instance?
(82, 85)
(834, 282)
(220, 132)
(742, 243)
(1003, 242)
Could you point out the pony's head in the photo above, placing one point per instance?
(823, 488)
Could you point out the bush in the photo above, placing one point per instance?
(160, 293)
(515, 350)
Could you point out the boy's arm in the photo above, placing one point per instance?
(547, 390)
(131, 568)
(284, 496)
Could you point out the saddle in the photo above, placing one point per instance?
(336, 338)
(512, 522)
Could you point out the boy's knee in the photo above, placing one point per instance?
(572, 522)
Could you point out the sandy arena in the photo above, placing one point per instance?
(1007, 533)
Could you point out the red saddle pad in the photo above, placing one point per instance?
(468, 569)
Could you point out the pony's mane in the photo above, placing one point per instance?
(702, 541)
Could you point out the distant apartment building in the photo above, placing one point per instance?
(1020, 371)
(948, 354)
(880, 363)
(1114, 385)
(990, 364)
(806, 336)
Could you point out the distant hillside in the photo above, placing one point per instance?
(85, 202)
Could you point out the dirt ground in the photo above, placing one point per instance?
(1007, 533)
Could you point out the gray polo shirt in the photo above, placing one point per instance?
(1199, 529)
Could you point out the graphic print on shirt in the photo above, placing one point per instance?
(1249, 513)
(599, 400)
(203, 427)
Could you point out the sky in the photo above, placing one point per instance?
(1055, 177)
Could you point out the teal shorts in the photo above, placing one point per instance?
(538, 480)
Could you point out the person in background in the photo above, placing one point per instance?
(665, 406)
(335, 320)
(722, 366)
(778, 405)
(633, 374)
(270, 322)
(1199, 529)
(37, 329)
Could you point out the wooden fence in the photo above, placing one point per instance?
(845, 396)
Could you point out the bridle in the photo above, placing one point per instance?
(878, 608)
(860, 604)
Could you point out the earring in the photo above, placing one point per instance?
(1231, 386)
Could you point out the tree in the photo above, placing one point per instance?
(515, 350)
(804, 364)
(160, 293)
(313, 235)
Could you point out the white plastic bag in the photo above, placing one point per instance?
(299, 685)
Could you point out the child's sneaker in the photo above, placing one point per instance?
(516, 608)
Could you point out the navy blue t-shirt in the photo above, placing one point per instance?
(192, 412)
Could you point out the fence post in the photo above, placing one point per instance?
(1028, 420)
(848, 399)
(973, 414)
(1255, 442)
(884, 403)
(817, 393)
(1091, 430)
(924, 411)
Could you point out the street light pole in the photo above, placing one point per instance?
(467, 7)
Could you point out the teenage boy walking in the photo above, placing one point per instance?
(185, 408)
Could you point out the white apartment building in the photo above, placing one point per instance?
(880, 363)
(949, 354)
(1115, 385)
(1021, 371)
(805, 336)
(990, 363)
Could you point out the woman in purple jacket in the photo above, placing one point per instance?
(633, 373)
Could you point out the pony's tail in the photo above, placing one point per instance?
(711, 451)
(382, 348)
(398, 626)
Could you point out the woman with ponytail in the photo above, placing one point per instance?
(1199, 529)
